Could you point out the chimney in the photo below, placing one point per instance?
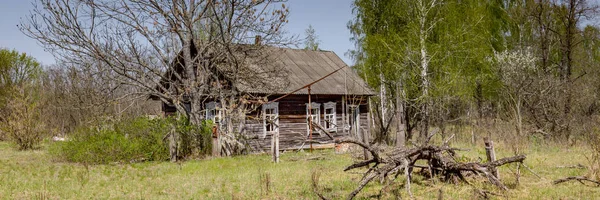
(257, 40)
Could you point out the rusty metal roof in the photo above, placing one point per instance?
(302, 67)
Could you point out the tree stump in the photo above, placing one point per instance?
(490, 152)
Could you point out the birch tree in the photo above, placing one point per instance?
(426, 24)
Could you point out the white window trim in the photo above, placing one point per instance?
(210, 106)
(317, 115)
(275, 106)
(332, 115)
(353, 120)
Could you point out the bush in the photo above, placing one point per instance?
(20, 99)
(194, 140)
(22, 122)
(133, 140)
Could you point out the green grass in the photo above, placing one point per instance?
(35, 175)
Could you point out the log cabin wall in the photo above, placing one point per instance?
(293, 126)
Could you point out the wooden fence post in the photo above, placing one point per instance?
(491, 154)
(366, 132)
(216, 146)
(365, 137)
(173, 144)
(275, 146)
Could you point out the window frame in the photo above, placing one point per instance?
(273, 116)
(315, 116)
(333, 118)
(353, 114)
(213, 107)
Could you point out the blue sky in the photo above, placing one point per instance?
(328, 18)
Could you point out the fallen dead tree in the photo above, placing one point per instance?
(387, 164)
(580, 179)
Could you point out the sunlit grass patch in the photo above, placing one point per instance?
(35, 175)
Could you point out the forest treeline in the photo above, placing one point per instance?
(37, 101)
(531, 64)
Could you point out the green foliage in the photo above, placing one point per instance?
(20, 99)
(133, 140)
(16, 69)
(459, 38)
(194, 140)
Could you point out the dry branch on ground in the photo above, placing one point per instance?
(580, 179)
(387, 164)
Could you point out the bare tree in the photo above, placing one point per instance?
(570, 14)
(85, 94)
(181, 52)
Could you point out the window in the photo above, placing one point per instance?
(314, 115)
(353, 119)
(213, 112)
(329, 118)
(270, 118)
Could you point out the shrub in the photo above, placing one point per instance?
(133, 140)
(20, 99)
(22, 121)
(194, 140)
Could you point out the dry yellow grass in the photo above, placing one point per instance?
(34, 175)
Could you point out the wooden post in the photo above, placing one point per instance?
(369, 116)
(365, 136)
(173, 144)
(365, 133)
(310, 132)
(275, 146)
(215, 141)
(343, 114)
(491, 154)
(274, 137)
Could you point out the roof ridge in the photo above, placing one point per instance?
(298, 49)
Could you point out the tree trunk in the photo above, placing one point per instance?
(423, 34)
(519, 116)
(400, 123)
(479, 98)
(382, 97)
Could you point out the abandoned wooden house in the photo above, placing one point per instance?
(320, 88)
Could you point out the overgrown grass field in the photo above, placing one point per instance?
(36, 175)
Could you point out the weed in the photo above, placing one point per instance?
(315, 176)
(265, 182)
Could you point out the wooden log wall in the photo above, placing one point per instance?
(293, 128)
